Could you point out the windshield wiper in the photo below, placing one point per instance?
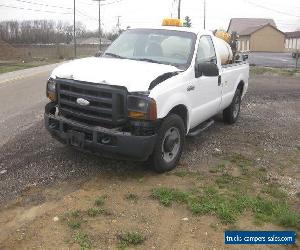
(147, 60)
(114, 55)
(151, 61)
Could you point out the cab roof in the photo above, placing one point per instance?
(186, 29)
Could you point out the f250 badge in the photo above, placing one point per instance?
(82, 102)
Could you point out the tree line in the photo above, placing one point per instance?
(44, 32)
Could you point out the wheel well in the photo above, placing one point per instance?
(181, 111)
(241, 86)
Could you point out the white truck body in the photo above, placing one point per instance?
(207, 99)
(110, 102)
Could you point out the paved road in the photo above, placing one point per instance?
(22, 95)
(278, 60)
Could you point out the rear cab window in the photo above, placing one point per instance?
(206, 51)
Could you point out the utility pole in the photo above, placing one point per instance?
(179, 9)
(99, 1)
(204, 15)
(297, 51)
(118, 24)
(74, 30)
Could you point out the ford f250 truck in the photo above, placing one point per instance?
(144, 94)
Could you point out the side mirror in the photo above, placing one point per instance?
(206, 69)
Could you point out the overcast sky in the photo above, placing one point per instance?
(286, 13)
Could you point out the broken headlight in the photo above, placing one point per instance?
(141, 107)
(51, 90)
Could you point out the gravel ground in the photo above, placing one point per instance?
(268, 131)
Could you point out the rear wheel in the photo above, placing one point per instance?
(169, 145)
(231, 114)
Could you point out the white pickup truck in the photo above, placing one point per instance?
(144, 94)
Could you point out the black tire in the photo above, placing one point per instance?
(231, 114)
(160, 164)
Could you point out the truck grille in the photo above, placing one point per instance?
(106, 104)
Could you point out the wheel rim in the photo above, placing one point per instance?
(236, 106)
(171, 144)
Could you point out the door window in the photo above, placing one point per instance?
(206, 51)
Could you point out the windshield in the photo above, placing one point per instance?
(156, 46)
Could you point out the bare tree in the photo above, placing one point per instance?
(39, 31)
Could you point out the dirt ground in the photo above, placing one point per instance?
(7, 51)
(49, 193)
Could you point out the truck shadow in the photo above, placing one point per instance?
(34, 158)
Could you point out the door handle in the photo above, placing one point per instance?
(219, 80)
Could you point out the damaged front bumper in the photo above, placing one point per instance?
(107, 142)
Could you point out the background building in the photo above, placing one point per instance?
(292, 42)
(257, 34)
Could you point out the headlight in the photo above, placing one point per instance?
(51, 90)
(141, 107)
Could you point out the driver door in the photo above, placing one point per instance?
(207, 91)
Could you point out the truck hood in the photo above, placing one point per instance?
(134, 75)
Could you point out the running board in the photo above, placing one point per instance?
(200, 128)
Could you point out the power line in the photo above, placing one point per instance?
(46, 5)
(37, 10)
(267, 8)
(86, 15)
(109, 3)
(118, 1)
(85, 3)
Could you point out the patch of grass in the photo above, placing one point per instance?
(167, 196)
(100, 201)
(225, 207)
(242, 162)
(83, 240)
(276, 212)
(131, 197)
(274, 191)
(75, 213)
(94, 211)
(181, 173)
(14, 66)
(226, 180)
(74, 224)
(228, 206)
(197, 175)
(262, 169)
(275, 71)
(73, 219)
(218, 169)
(130, 238)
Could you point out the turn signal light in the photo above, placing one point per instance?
(136, 115)
(51, 96)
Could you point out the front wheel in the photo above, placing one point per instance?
(169, 145)
(231, 114)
